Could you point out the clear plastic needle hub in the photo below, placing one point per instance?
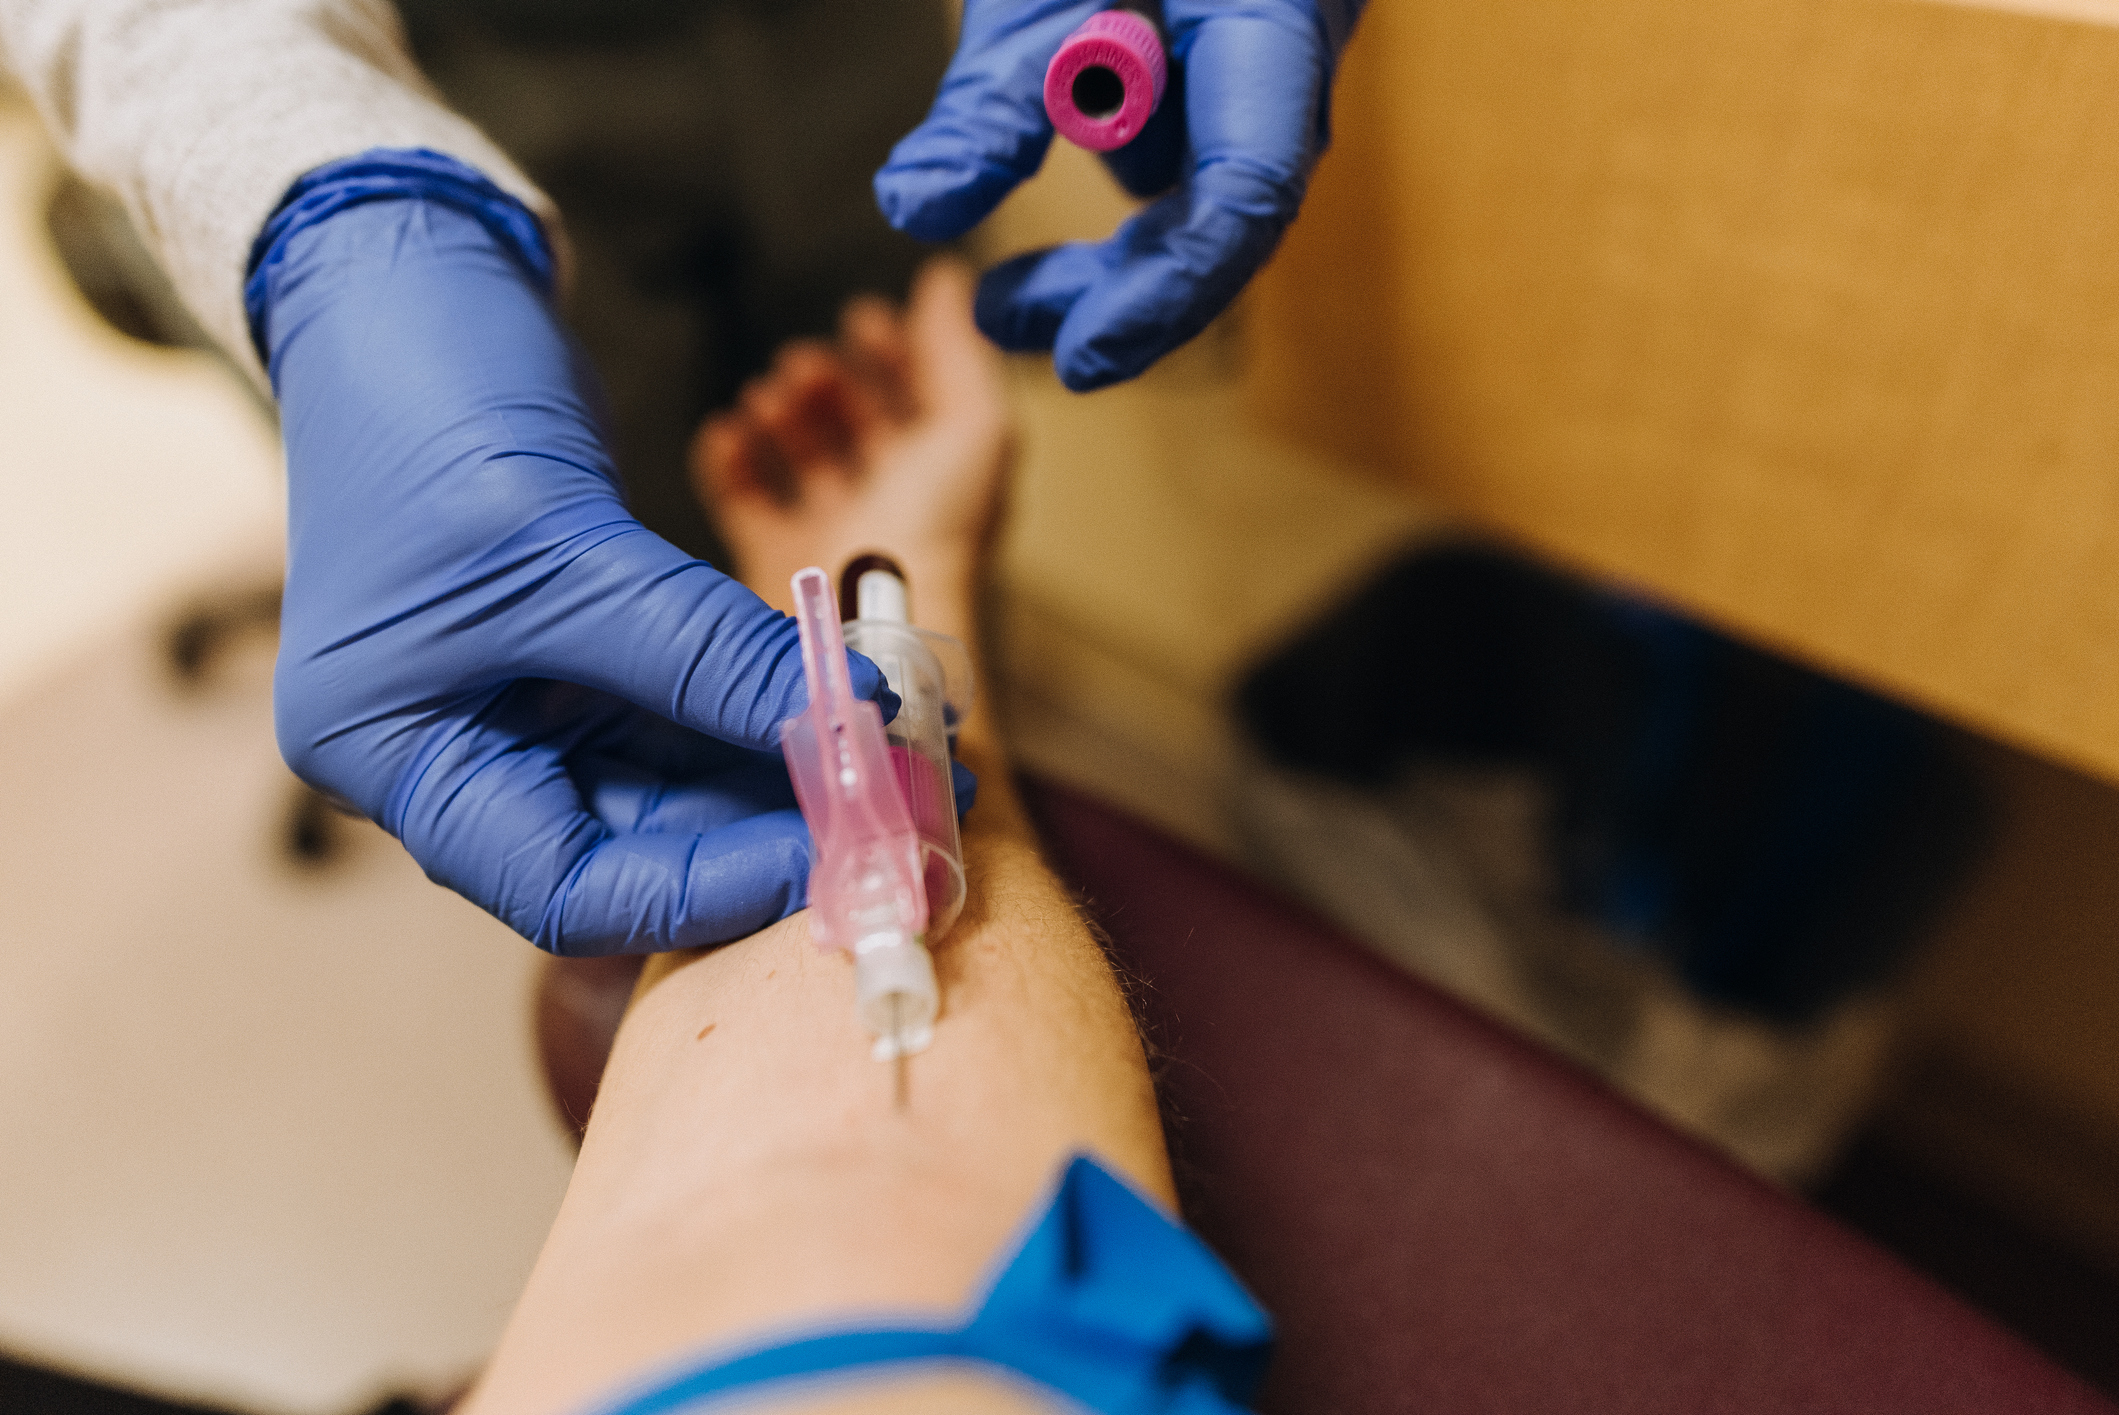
(867, 887)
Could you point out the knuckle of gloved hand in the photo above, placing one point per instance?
(1264, 192)
(537, 890)
(302, 720)
(528, 497)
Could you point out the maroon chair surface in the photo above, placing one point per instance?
(1445, 1218)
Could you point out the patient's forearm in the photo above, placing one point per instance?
(746, 1170)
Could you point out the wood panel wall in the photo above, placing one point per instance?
(1803, 314)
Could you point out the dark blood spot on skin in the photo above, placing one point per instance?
(704, 1030)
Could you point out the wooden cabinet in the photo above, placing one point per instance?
(1802, 314)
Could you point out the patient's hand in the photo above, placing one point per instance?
(894, 438)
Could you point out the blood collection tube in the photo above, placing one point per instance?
(867, 893)
(931, 674)
(1106, 80)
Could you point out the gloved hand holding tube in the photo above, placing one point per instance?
(1243, 120)
(561, 715)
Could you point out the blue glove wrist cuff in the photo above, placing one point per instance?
(389, 174)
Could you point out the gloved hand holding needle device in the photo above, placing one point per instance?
(1223, 134)
(563, 716)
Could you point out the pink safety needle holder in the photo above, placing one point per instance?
(866, 890)
(1106, 80)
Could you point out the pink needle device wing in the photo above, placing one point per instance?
(867, 893)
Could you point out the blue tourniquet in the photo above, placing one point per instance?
(1108, 1303)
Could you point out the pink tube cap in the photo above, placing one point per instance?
(1106, 80)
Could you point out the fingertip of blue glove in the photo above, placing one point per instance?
(939, 201)
(965, 784)
(1026, 326)
(1086, 371)
(1086, 359)
(868, 682)
(1003, 316)
(648, 893)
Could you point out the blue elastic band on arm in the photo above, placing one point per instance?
(1107, 1302)
(390, 174)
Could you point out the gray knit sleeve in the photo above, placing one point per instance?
(198, 115)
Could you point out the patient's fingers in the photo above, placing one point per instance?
(722, 468)
(802, 407)
(872, 338)
(955, 371)
(833, 403)
(750, 462)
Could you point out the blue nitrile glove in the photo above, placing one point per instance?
(561, 715)
(1243, 120)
